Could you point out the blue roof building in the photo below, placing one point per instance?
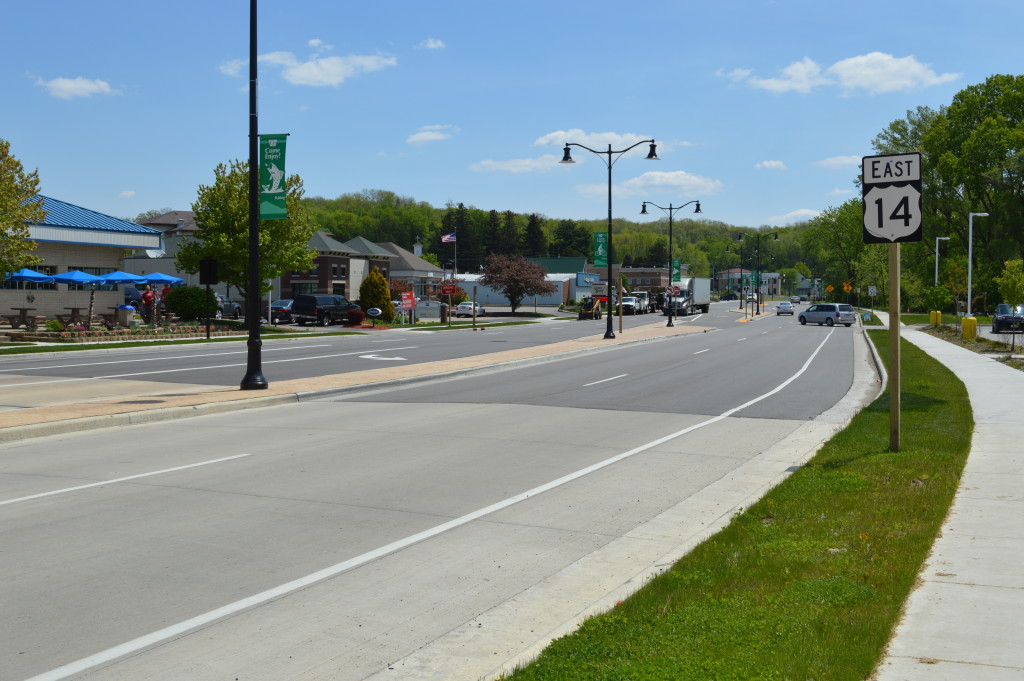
(67, 223)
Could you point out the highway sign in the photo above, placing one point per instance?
(872, 291)
(891, 198)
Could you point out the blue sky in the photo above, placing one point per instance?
(761, 109)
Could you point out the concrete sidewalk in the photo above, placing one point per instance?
(964, 621)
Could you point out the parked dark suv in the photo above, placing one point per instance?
(320, 308)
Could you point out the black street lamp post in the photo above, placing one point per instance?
(609, 161)
(670, 210)
(757, 295)
(740, 297)
(254, 378)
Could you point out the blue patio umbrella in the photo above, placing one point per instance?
(25, 274)
(122, 278)
(75, 277)
(158, 278)
(80, 277)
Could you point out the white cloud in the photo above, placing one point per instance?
(676, 181)
(69, 88)
(840, 192)
(431, 133)
(234, 67)
(738, 75)
(594, 140)
(771, 165)
(799, 215)
(845, 162)
(432, 44)
(544, 163)
(801, 76)
(876, 72)
(127, 194)
(324, 71)
(316, 43)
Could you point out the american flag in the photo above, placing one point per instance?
(448, 238)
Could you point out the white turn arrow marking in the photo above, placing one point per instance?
(400, 359)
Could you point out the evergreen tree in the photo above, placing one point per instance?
(536, 245)
(374, 292)
(509, 242)
(493, 241)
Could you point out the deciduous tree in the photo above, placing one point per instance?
(222, 219)
(20, 205)
(516, 277)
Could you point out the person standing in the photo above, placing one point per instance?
(147, 305)
(164, 293)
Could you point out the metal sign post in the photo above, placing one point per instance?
(891, 200)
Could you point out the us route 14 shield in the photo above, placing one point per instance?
(892, 198)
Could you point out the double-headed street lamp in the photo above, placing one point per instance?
(970, 254)
(937, 240)
(670, 210)
(609, 161)
(757, 295)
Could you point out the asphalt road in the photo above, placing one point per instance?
(334, 539)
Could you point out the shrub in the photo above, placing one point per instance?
(54, 325)
(189, 302)
(356, 316)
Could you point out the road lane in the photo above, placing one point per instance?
(328, 482)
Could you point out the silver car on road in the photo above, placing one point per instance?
(829, 314)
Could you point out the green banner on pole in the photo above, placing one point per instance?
(600, 249)
(677, 267)
(272, 186)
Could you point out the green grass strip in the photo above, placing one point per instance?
(808, 582)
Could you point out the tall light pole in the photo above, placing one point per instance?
(609, 161)
(757, 296)
(937, 240)
(970, 255)
(670, 210)
(254, 378)
(739, 297)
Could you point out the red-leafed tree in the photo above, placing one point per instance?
(516, 277)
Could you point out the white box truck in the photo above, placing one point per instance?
(694, 296)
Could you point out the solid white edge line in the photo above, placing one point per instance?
(116, 480)
(204, 619)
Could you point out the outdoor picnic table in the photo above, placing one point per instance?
(22, 318)
(74, 316)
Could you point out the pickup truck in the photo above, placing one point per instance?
(320, 309)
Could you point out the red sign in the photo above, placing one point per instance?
(408, 300)
(448, 289)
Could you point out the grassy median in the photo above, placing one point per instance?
(807, 583)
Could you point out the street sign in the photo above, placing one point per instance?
(847, 286)
(448, 289)
(872, 291)
(891, 198)
(600, 289)
(676, 290)
(830, 288)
